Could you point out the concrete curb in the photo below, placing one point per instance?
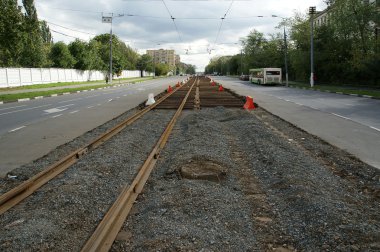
(341, 93)
(59, 94)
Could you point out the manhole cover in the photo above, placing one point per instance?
(203, 170)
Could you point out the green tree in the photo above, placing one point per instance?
(11, 22)
(161, 69)
(144, 63)
(61, 57)
(34, 51)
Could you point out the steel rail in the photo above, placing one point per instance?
(28, 187)
(107, 230)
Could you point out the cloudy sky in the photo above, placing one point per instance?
(197, 30)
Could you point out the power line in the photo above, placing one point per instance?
(70, 28)
(65, 34)
(221, 24)
(171, 16)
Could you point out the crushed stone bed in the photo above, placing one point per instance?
(227, 180)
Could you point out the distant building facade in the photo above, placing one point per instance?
(323, 17)
(163, 56)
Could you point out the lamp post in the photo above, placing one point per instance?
(109, 19)
(312, 11)
(285, 52)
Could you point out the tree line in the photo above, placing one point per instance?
(25, 41)
(346, 47)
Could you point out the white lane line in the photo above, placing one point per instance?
(91, 96)
(287, 100)
(99, 104)
(73, 112)
(13, 107)
(71, 100)
(57, 116)
(118, 97)
(53, 95)
(38, 97)
(68, 105)
(11, 112)
(110, 100)
(374, 128)
(342, 116)
(17, 129)
(125, 95)
(90, 106)
(24, 99)
(299, 104)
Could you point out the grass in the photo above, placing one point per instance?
(342, 89)
(62, 84)
(14, 97)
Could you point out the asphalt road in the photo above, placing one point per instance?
(31, 129)
(348, 122)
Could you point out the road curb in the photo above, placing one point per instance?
(65, 93)
(341, 93)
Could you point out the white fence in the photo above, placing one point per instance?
(15, 77)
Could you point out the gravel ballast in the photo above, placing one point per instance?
(227, 180)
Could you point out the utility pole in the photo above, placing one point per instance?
(285, 50)
(286, 58)
(109, 19)
(312, 11)
(241, 61)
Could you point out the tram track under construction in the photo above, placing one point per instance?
(217, 177)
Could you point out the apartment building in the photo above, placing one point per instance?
(322, 17)
(163, 56)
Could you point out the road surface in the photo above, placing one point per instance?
(348, 122)
(31, 129)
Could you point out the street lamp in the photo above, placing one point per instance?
(109, 20)
(312, 11)
(285, 52)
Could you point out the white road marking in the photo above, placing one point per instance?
(118, 97)
(90, 106)
(38, 97)
(17, 129)
(54, 110)
(13, 107)
(56, 116)
(11, 112)
(54, 95)
(71, 100)
(73, 112)
(299, 104)
(24, 99)
(374, 128)
(125, 95)
(341, 116)
(110, 100)
(99, 104)
(91, 96)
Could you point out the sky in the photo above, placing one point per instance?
(193, 28)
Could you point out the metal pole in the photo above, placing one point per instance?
(154, 65)
(110, 78)
(286, 58)
(241, 61)
(312, 11)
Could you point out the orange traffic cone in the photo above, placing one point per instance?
(170, 89)
(213, 83)
(221, 88)
(178, 85)
(249, 103)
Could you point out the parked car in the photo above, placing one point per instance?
(244, 77)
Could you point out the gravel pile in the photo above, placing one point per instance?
(227, 180)
(277, 193)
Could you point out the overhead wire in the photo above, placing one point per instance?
(220, 26)
(69, 28)
(171, 16)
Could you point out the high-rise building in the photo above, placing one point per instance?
(163, 56)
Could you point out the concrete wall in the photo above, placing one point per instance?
(15, 77)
